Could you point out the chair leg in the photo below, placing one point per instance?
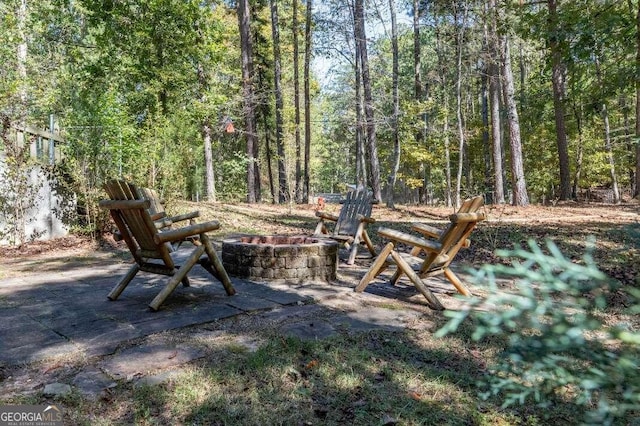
(367, 241)
(185, 281)
(124, 282)
(217, 266)
(376, 267)
(417, 281)
(396, 276)
(177, 278)
(459, 285)
(353, 251)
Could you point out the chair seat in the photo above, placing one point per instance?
(416, 262)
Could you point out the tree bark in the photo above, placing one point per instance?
(421, 135)
(607, 136)
(248, 109)
(520, 195)
(396, 108)
(637, 190)
(486, 140)
(296, 104)
(445, 125)
(209, 181)
(283, 187)
(307, 98)
(22, 57)
(461, 140)
(361, 161)
(361, 41)
(558, 82)
(494, 102)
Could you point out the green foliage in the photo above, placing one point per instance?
(558, 344)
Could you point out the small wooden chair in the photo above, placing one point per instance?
(349, 227)
(440, 247)
(148, 245)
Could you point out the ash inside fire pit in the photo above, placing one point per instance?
(291, 258)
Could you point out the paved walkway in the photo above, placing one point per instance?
(52, 312)
(59, 311)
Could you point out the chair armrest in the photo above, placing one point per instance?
(185, 232)
(412, 240)
(184, 216)
(427, 230)
(366, 219)
(467, 217)
(158, 216)
(328, 216)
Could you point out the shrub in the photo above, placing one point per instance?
(558, 345)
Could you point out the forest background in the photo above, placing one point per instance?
(218, 100)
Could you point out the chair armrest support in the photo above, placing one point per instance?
(187, 231)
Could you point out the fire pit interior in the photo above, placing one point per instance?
(291, 258)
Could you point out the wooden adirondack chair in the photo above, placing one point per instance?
(149, 247)
(440, 247)
(349, 227)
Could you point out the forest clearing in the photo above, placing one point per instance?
(251, 111)
(408, 376)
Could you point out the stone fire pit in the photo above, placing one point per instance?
(291, 258)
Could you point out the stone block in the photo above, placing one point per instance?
(285, 251)
(296, 262)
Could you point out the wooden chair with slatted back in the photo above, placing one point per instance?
(148, 244)
(350, 226)
(431, 253)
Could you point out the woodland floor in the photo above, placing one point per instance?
(614, 229)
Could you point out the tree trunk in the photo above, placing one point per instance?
(637, 191)
(248, 108)
(209, 181)
(361, 161)
(283, 187)
(461, 141)
(361, 41)
(421, 135)
(296, 104)
(307, 98)
(576, 180)
(445, 126)
(22, 58)
(486, 140)
(208, 161)
(494, 102)
(607, 135)
(520, 196)
(396, 108)
(558, 82)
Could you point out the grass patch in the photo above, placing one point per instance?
(364, 379)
